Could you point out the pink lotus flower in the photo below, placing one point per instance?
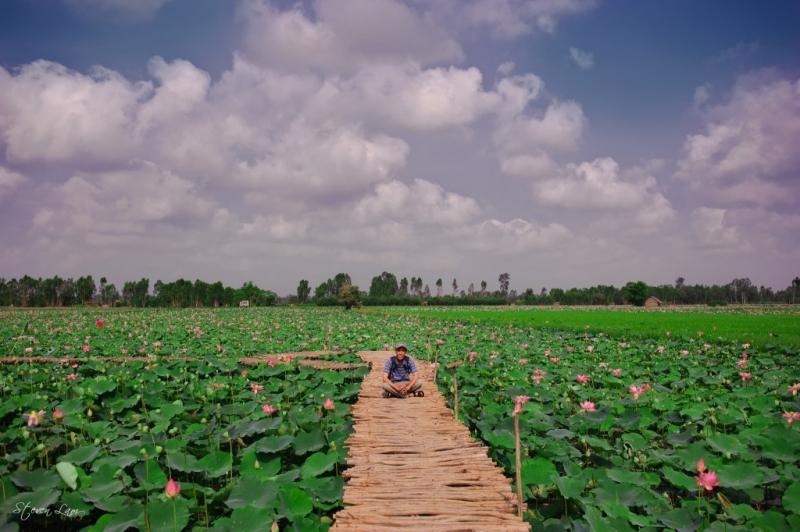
(219, 348)
(328, 404)
(244, 373)
(523, 361)
(268, 409)
(34, 417)
(85, 348)
(794, 388)
(590, 348)
(745, 376)
(660, 349)
(745, 346)
(684, 352)
(439, 342)
(547, 352)
(72, 376)
(583, 379)
(745, 356)
(570, 349)
(538, 375)
(587, 406)
(472, 356)
(29, 350)
(524, 346)
(742, 363)
(701, 465)
(99, 324)
(555, 360)
(256, 388)
(58, 415)
(519, 402)
(791, 417)
(707, 481)
(637, 391)
(616, 372)
(603, 365)
(172, 489)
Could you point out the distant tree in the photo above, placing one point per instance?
(504, 280)
(471, 289)
(427, 292)
(679, 282)
(349, 296)
(103, 282)
(439, 287)
(483, 287)
(795, 286)
(85, 289)
(383, 285)
(403, 286)
(455, 286)
(635, 293)
(303, 291)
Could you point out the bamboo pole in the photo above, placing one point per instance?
(518, 464)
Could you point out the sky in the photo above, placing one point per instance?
(566, 142)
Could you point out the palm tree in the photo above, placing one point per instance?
(795, 284)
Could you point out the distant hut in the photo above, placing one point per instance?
(653, 302)
(244, 303)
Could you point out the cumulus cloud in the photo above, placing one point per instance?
(557, 128)
(748, 143)
(9, 181)
(712, 230)
(343, 35)
(599, 184)
(421, 202)
(582, 58)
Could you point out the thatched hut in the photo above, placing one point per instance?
(653, 302)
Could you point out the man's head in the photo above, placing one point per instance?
(400, 351)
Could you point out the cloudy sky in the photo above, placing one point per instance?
(567, 142)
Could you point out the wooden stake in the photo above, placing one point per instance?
(518, 464)
(455, 392)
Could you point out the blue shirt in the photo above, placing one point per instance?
(399, 373)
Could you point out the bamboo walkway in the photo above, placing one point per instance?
(412, 465)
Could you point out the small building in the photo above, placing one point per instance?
(244, 303)
(653, 302)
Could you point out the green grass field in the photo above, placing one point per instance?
(756, 325)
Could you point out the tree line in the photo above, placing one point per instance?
(62, 292)
(386, 289)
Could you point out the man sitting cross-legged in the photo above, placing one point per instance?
(400, 376)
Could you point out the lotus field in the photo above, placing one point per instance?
(616, 434)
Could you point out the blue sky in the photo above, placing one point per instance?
(667, 152)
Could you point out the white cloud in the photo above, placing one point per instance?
(54, 114)
(421, 99)
(752, 138)
(9, 181)
(122, 202)
(582, 58)
(558, 128)
(599, 184)
(344, 35)
(712, 231)
(421, 202)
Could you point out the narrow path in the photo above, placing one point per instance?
(413, 465)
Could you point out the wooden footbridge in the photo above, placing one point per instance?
(413, 465)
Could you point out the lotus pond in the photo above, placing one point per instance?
(612, 432)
